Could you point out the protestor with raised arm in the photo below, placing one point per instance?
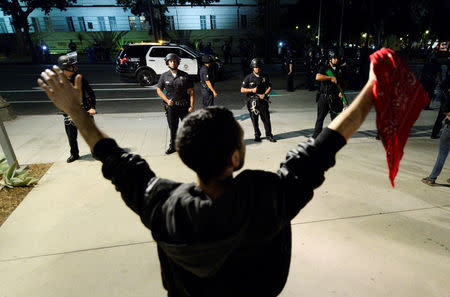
(223, 235)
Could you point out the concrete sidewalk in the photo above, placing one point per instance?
(73, 235)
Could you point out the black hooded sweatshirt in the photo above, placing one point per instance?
(238, 244)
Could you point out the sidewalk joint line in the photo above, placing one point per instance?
(76, 251)
(368, 215)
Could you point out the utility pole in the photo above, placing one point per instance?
(320, 17)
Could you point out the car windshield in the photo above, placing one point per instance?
(192, 51)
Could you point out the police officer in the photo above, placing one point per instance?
(68, 63)
(177, 102)
(207, 80)
(289, 62)
(311, 67)
(330, 96)
(257, 86)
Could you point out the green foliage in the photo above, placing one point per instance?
(13, 177)
(111, 40)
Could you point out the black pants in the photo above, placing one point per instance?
(326, 104)
(263, 110)
(208, 97)
(174, 115)
(310, 79)
(290, 82)
(72, 133)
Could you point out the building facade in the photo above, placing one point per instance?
(105, 15)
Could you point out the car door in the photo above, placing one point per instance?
(155, 58)
(188, 62)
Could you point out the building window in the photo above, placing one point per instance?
(101, 22)
(144, 23)
(212, 19)
(132, 21)
(203, 22)
(48, 24)
(35, 23)
(70, 24)
(3, 29)
(243, 21)
(90, 26)
(82, 24)
(112, 23)
(170, 23)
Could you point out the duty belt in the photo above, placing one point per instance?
(180, 103)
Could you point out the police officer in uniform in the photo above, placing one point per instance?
(257, 87)
(330, 98)
(67, 63)
(177, 101)
(289, 61)
(207, 80)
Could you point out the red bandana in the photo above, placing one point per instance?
(398, 98)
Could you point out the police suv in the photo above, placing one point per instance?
(144, 61)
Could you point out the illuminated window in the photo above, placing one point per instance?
(112, 23)
(170, 23)
(144, 23)
(82, 24)
(132, 21)
(48, 24)
(69, 24)
(101, 22)
(203, 22)
(212, 19)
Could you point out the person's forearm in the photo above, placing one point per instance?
(208, 83)
(321, 77)
(162, 95)
(349, 121)
(245, 90)
(85, 124)
(268, 91)
(191, 91)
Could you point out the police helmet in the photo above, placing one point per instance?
(207, 59)
(256, 63)
(333, 54)
(66, 61)
(172, 56)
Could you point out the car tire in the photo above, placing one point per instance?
(146, 77)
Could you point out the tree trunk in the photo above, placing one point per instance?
(151, 15)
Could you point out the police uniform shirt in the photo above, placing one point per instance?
(176, 86)
(289, 61)
(328, 86)
(261, 83)
(205, 75)
(87, 93)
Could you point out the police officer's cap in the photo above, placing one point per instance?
(172, 56)
(207, 59)
(256, 63)
(64, 62)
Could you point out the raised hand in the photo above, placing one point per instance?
(60, 91)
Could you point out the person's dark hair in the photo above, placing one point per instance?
(206, 140)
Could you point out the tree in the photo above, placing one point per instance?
(154, 11)
(20, 13)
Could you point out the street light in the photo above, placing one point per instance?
(364, 35)
(427, 31)
(308, 27)
(296, 27)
